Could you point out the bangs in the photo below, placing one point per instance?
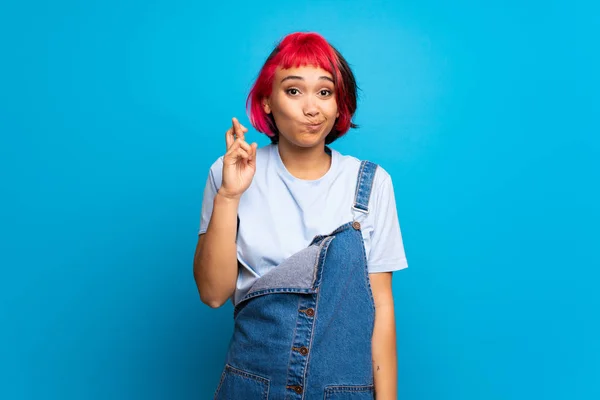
(304, 51)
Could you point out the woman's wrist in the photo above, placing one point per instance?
(226, 197)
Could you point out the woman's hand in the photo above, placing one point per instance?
(239, 162)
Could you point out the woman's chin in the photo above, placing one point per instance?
(308, 139)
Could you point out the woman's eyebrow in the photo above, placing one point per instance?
(301, 78)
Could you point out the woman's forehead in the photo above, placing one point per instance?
(306, 71)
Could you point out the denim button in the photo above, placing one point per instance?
(356, 225)
(303, 350)
(310, 312)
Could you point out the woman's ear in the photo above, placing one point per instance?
(266, 106)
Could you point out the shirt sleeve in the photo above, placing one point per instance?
(387, 249)
(213, 183)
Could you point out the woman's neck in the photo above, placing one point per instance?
(307, 163)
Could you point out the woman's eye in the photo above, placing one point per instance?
(325, 92)
(292, 91)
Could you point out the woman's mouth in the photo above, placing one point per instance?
(314, 127)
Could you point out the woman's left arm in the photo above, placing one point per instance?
(384, 337)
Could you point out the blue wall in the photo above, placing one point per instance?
(484, 113)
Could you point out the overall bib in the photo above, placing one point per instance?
(304, 329)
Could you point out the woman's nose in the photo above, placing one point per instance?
(310, 108)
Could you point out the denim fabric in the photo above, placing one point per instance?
(304, 329)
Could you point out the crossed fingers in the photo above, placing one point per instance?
(235, 141)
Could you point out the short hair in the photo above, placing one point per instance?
(300, 49)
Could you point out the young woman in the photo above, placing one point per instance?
(302, 239)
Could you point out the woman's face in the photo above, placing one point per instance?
(303, 105)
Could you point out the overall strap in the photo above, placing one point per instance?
(364, 184)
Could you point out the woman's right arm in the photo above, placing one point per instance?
(215, 258)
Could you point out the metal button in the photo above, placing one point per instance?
(297, 389)
(303, 350)
(356, 225)
(310, 312)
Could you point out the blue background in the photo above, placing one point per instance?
(484, 113)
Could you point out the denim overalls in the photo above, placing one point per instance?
(304, 329)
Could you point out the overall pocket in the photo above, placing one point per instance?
(239, 384)
(349, 392)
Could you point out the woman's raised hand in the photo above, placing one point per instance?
(239, 162)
